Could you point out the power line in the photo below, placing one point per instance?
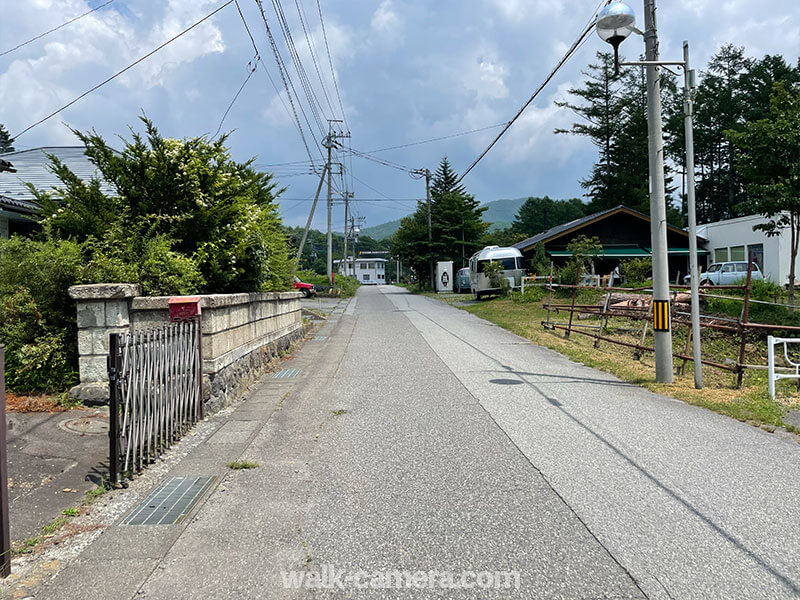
(251, 67)
(438, 139)
(312, 49)
(564, 59)
(41, 35)
(287, 81)
(275, 87)
(130, 66)
(330, 62)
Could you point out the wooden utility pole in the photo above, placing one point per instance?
(310, 218)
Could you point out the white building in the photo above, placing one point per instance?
(735, 239)
(368, 271)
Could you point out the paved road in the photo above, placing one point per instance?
(420, 438)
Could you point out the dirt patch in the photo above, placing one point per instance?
(29, 404)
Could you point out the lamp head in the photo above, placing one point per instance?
(615, 22)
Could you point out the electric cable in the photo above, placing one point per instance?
(118, 73)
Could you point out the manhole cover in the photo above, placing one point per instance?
(90, 424)
(506, 381)
(169, 502)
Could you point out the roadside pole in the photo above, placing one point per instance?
(5, 538)
(658, 211)
(688, 107)
(430, 227)
(329, 145)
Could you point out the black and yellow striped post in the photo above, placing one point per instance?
(661, 315)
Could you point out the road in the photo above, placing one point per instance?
(418, 437)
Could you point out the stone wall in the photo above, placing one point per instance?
(242, 335)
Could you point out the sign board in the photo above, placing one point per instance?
(444, 276)
(661, 315)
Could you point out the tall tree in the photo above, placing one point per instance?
(769, 157)
(540, 214)
(6, 143)
(457, 225)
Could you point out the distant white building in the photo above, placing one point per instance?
(368, 271)
(735, 240)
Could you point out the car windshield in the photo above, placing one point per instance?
(713, 268)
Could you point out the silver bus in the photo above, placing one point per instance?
(511, 258)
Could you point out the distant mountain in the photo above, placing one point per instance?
(499, 213)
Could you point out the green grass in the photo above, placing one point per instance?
(240, 465)
(751, 403)
(339, 412)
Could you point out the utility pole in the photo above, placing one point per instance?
(310, 218)
(658, 211)
(688, 109)
(347, 196)
(430, 227)
(329, 142)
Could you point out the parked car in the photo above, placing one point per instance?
(727, 273)
(308, 289)
(462, 283)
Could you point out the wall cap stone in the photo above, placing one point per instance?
(103, 291)
(214, 300)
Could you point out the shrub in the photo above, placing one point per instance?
(494, 272)
(38, 357)
(636, 271)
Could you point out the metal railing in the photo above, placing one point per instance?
(155, 378)
(5, 540)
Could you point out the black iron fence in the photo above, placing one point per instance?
(155, 379)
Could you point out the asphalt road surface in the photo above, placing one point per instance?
(417, 439)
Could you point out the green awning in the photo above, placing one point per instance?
(628, 252)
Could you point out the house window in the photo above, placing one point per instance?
(365, 277)
(737, 253)
(371, 265)
(363, 266)
(720, 255)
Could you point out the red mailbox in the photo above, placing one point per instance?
(184, 308)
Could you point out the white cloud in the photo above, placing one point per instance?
(385, 19)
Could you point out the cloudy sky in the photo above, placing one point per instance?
(407, 71)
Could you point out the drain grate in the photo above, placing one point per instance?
(333, 320)
(287, 373)
(320, 338)
(169, 502)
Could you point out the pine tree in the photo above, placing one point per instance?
(6, 143)
(540, 214)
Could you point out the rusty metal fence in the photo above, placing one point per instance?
(155, 378)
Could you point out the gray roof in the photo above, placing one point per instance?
(33, 166)
(559, 229)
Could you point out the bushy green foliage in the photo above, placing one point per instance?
(494, 273)
(533, 293)
(182, 205)
(38, 355)
(540, 264)
(636, 271)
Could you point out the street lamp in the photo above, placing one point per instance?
(614, 24)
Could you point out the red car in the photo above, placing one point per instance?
(308, 289)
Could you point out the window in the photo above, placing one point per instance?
(714, 268)
(371, 265)
(728, 268)
(720, 255)
(381, 266)
(481, 265)
(737, 253)
(363, 266)
(756, 251)
(509, 264)
(741, 268)
(365, 277)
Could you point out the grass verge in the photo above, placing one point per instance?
(240, 465)
(750, 403)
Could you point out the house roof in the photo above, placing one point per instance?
(559, 230)
(33, 166)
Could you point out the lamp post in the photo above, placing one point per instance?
(614, 24)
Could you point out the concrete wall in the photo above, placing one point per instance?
(242, 335)
(739, 232)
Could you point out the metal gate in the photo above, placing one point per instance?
(155, 379)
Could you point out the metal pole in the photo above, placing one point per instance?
(688, 106)
(5, 537)
(430, 227)
(658, 211)
(346, 215)
(310, 218)
(329, 144)
(113, 408)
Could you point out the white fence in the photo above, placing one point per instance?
(790, 364)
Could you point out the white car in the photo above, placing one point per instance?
(727, 273)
